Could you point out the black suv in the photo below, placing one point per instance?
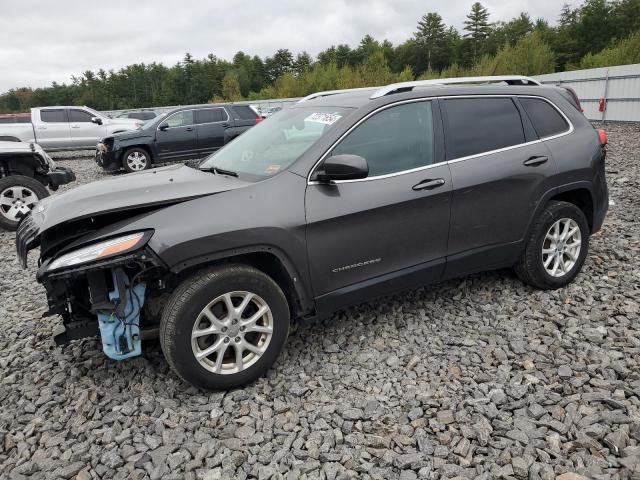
(181, 134)
(342, 197)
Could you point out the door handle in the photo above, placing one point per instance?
(75, 126)
(429, 184)
(535, 161)
(225, 125)
(189, 129)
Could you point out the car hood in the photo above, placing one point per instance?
(160, 186)
(132, 134)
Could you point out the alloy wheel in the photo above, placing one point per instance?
(16, 202)
(232, 332)
(137, 161)
(561, 247)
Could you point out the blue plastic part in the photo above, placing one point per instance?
(121, 336)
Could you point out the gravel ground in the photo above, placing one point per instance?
(480, 377)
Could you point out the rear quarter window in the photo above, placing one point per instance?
(243, 112)
(479, 125)
(546, 119)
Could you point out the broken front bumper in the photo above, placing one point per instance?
(107, 159)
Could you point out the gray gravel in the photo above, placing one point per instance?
(480, 377)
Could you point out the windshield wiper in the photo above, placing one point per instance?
(220, 171)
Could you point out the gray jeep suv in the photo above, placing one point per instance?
(342, 197)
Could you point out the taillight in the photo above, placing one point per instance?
(259, 119)
(602, 136)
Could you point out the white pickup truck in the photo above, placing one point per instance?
(63, 128)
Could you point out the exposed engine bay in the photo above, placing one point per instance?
(121, 300)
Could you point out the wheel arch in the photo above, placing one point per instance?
(577, 193)
(141, 146)
(268, 259)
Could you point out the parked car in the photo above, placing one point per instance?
(181, 134)
(25, 173)
(138, 114)
(340, 198)
(64, 128)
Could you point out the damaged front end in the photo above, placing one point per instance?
(112, 287)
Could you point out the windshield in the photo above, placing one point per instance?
(277, 142)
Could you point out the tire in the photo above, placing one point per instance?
(564, 260)
(18, 195)
(184, 316)
(136, 160)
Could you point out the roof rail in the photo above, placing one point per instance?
(406, 86)
(332, 92)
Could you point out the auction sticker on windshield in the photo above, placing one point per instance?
(326, 118)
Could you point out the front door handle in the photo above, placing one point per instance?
(429, 184)
(535, 161)
(189, 129)
(225, 125)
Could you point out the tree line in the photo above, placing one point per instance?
(596, 33)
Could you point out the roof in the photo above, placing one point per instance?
(357, 97)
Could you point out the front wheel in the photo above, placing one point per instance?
(556, 248)
(224, 327)
(136, 160)
(18, 195)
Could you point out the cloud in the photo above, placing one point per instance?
(42, 42)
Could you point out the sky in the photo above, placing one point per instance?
(45, 41)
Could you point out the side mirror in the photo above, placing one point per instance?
(163, 126)
(343, 167)
(96, 120)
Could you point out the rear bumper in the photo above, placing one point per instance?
(601, 194)
(60, 176)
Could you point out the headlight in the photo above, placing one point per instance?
(98, 251)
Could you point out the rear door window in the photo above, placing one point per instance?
(53, 116)
(210, 115)
(546, 119)
(479, 125)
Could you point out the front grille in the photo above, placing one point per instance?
(26, 238)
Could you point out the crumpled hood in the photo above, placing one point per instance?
(167, 185)
(132, 134)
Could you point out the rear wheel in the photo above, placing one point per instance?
(224, 327)
(556, 248)
(136, 160)
(18, 195)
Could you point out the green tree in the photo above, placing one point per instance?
(431, 37)
(478, 28)
(231, 88)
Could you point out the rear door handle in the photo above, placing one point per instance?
(535, 161)
(429, 184)
(189, 129)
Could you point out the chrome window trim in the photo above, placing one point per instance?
(194, 110)
(455, 160)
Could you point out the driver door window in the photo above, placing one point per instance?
(180, 119)
(394, 140)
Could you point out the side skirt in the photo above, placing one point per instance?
(425, 273)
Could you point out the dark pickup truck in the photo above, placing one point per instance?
(181, 134)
